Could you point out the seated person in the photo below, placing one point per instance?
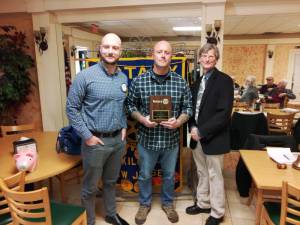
(250, 92)
(236, 88)
(268, 87)
(235, 84)
(278, 94)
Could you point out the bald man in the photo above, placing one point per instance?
(95, 108)
(158, 141)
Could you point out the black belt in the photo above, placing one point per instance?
(109, 134)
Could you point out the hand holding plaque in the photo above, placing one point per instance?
(160, 108)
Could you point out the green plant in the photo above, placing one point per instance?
(15, 82)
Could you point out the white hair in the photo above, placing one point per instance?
(285, 82)
(251, 80)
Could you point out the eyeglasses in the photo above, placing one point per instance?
(210, 57)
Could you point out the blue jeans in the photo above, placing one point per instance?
(147, 161)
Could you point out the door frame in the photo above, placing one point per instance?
(290, 75)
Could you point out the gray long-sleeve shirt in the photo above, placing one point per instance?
(96, 101)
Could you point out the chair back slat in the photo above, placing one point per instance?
(294, 202)
(21, 205)
(292, 221)
(240, 104)
(271, 105)
(280, 123)
(27, 214)
(24, 222)
(14, 129)
(293, 211)
(3, 203)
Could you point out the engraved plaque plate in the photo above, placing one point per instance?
(160, 108)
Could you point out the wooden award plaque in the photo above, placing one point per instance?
(160, 108)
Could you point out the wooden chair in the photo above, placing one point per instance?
(72, 174)
(280, 124)
(7, 130)
(271, 105)
(34, 207)
(17, 183)
(288, 212)
(240, 104)
(293, 105)
(285, 102)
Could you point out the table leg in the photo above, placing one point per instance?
(259, 203)
(51, 192)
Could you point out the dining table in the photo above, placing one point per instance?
(49, 162)
(267, 176)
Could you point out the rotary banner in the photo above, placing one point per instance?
(134, 67)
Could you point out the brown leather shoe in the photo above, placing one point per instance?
(142, 214)
(171, 213)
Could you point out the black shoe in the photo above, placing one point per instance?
(115, 220)
(213, 221)
(195, 209)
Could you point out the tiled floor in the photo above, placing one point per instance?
(236, 212)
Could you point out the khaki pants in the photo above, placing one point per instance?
(210, 189)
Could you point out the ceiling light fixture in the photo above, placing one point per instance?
(187, 28)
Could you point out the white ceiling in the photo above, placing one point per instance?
(242, 17)
(233, 25)
(148, 28)
(259, 24)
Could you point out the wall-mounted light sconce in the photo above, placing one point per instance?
(73, 50)
(212, 32)
(40, 39)
(270, 54)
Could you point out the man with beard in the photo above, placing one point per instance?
(158, 141)
(95, 108)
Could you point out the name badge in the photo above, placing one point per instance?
(124, 88)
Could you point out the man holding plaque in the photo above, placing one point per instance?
(209, 126)
(160, 100)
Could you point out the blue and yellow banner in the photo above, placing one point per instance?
(134, 67)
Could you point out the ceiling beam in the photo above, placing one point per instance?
(35, 6)
(130, 13)
(77, 4)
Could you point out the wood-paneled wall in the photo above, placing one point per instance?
(243, 60)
